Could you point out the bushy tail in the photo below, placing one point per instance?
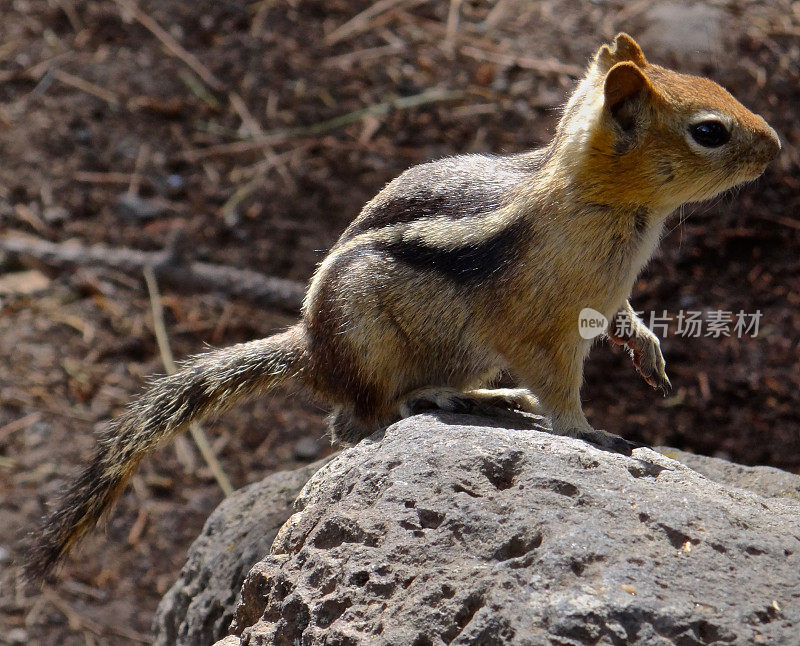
(206, 384)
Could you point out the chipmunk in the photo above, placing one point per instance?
(467, 266)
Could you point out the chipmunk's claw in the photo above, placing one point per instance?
(607, 441)
(650, 363)
(666, 386)
(658, 380)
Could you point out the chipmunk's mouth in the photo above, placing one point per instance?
(727, 180)
(753, 171)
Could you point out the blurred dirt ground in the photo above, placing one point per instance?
(111, 134)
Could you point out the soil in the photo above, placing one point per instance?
(109, 134)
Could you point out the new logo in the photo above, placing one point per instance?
(591, 323)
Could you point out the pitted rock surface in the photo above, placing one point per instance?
(199, 607)
(452, 529)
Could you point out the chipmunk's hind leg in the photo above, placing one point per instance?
(484, 401)
(348, 429)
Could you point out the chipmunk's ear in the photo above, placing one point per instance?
(623, 48)
(626, 91)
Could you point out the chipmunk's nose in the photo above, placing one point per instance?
(769, 144)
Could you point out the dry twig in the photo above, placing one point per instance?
(85, 86)
(204, 277)
(30, 217)
(249, 122)
(453, 16)
(136, 176)
(364, 20)
(172, 45)
(198, 435)
(274, 137)
(93, 177)
(79, 623)
(525, 62)
(349, 59)
(19, 424)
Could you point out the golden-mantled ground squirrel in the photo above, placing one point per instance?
(467, 266)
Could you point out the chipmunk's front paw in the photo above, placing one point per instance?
(607, 441)
(598, 437)
(649, 362)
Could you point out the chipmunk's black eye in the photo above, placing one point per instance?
(710, 134)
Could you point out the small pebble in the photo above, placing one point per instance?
(54, 214)
(134, 207)
(83, 135)
(175, 181)
(306, 449)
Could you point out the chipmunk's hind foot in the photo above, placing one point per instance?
(519, 399)
(348, 428)
(480, 401)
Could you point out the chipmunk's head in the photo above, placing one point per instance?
(642, 134)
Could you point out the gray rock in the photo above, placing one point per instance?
(307, 449)
(765, 481)
(449, 529)
(199, 607)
